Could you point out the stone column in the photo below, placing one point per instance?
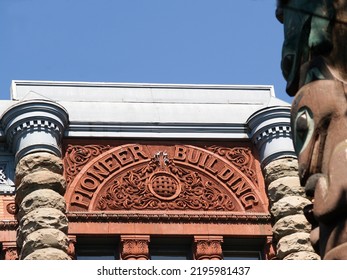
(34, 131)
(134, 247)
(208, 247)
(271, 134)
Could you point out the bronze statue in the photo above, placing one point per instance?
(314, 63)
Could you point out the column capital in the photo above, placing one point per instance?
(208, 247)
(34, 126)
(134, 247)
(270, 131)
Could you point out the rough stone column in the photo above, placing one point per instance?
(208, 247)
(271, 134)
(134, 247)
(34, 131)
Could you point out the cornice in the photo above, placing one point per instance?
(182, 217)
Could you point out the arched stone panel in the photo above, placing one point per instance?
(138, 177)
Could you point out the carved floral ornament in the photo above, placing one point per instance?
(148, 177)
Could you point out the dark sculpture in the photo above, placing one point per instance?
(314, 63)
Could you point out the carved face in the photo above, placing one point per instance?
(319, 123)
(306, 34)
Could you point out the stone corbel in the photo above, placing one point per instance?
(134, 247)
(208, 247)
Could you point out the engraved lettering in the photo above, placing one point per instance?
(180, 153)
(123, 157)
(110, 163)
(89, 183)
(203, 160)
(98, 171)
(225, 174)
(194, 156)
(241, 188)
(249, 200)
(137, 152)
(209, 165)
(83, 191)
(77, 199)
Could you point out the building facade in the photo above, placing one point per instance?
(148, 171)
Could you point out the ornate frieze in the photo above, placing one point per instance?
(161, 177)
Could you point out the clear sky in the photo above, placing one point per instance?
(141, 41)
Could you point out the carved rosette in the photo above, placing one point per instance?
(134, 247)
(206, 248)
(11, 208)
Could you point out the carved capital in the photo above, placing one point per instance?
(270, 252)
(208, 247)
(71, 249)
(9, 251)
(270, 132)
(35, 126)
(134, 247)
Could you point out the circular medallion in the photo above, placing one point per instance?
(164, 186)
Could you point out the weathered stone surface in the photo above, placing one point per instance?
(44, 238)
(43, 198)
(294, 243)
(289, 205)
(40, 180)
(304, 255)
(38, 161)
(286, 186)
(289, 225)
(48, 254)
(41, 218)
(286, 167)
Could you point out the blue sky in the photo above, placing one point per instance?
(141, 41)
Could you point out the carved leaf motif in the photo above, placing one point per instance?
(76, 156)
(241, 157)
(132, 191)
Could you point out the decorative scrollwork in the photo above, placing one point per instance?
(161, 185)
(76, 156)
(241, 157)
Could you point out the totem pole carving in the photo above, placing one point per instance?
(314, 63)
